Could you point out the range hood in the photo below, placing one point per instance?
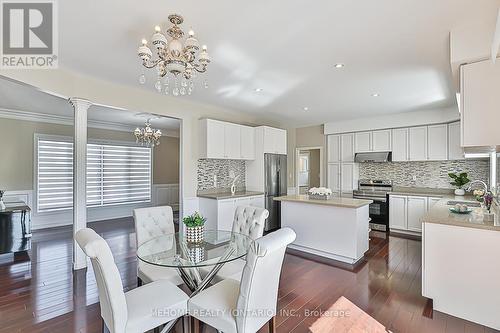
(383, 156)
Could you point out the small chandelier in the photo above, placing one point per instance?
(177, 59)
(147, 136)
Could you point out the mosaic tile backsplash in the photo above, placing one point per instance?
(207, 168)
(432, 174)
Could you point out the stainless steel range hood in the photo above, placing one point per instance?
(383, 156)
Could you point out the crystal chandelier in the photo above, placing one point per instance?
(147, 136)
(176, 60)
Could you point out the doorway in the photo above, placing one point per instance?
(309, 169)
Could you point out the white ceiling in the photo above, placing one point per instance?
(21, 97)
(398, 49)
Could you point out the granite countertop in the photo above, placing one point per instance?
(441, 214)
(421, 191)
(334, 201)
(228, 195)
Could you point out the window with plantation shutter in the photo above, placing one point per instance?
(116, 174)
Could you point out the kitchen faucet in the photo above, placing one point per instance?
(477, 182)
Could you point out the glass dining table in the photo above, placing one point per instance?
(197, 263)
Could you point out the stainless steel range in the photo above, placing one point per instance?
(376, 190)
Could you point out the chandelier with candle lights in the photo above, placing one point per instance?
(147, 136)
(177, 60)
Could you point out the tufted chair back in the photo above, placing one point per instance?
(260, 280)
(109, 284)
(152, 222)
(250, 221)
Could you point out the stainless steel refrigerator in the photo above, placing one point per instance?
(275, 186)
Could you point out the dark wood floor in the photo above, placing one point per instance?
(45, 295)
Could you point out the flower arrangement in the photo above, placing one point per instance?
(320, 191)
(479, 195)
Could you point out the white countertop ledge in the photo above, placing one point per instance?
(334, 201)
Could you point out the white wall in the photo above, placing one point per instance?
(395, 120)
(138, 99)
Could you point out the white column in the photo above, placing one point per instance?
(81, 107)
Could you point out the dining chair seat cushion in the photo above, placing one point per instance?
(149, 273)
(154, 304)
(215, 305)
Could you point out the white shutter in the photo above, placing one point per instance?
(54, 175)
(116, 174)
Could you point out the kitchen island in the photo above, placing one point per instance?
(460, 270)
(335, 229)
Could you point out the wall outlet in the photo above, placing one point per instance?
(414, 177)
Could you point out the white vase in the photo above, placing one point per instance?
(459, 191)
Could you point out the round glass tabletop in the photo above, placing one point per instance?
(173, 250)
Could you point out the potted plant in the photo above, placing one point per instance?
(195, 227)
(459, 180)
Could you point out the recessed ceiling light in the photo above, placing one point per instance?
(305, 108)
(258, 89)
(339, 65)
(375, 95)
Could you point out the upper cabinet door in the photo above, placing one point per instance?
(232, 139)
(333, 148)
(363, 142)
(334, 177)
(480, 98)
(280, 141)
(347, 147)
(437, 142)
(381, 140)
(417, 143)
(400, 144)
(347, 174)
(214, 141)
(269, 140)
(247, 142)
(455, 151)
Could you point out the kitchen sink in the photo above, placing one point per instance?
(463, 202)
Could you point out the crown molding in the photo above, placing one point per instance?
(64, 120)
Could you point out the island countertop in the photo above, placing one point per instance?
(334, 201)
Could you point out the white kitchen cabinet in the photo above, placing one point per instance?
(220, 213)
(274, 140)
(223, 140)
(381, 140)
(416, 209)
(417, 143)
(334, 177)
(400, 144)
(431, 201)
(247, 142)
(347, 147)
(232, 140)
(437, 142)
(397, 212)
(363, 142)
(347, 177)
(333, 148)
(479, 99)
(455, 150)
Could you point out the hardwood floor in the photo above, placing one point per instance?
(45, 295)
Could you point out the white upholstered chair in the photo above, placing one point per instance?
(153, 222)
(249, 221)
(137, 310)
(246, 306)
